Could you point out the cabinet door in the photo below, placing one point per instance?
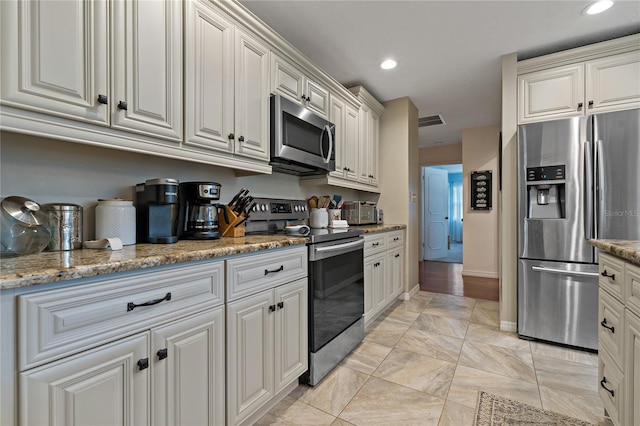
(318, 98)
(60, 52)
(337, 112)
(147, 67)
(249, 354)
(379, 282)
(102, 386)
(374, 147)
(188, 371)
(286, 79)
(551, 94)
(209, 97)
(613, 82)
(291, 342)
(395, 274)
(368, 287)
(350, 144)
(632, 369)
(251, 97)
(364, 144)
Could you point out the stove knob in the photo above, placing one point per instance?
(254, 208)
(303, 208)
(263, 207)
(296, 208)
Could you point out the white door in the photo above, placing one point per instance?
(291, 342)
(350, 142)
(395, 270)
(337, 117)
(436, 206)
(108, 385)
(147, 67)
(187, 358)
(209, 97)
(249, 354)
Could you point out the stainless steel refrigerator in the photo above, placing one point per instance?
(578, 178)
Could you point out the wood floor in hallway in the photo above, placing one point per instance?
(447, 278)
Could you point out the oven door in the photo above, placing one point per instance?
(336, 289)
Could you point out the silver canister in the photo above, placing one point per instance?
(65, 226)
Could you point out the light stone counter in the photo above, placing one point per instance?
(48, 267)
(625, 249)
(372, 229)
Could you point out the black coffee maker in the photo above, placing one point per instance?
(157, 210)
(199, 210)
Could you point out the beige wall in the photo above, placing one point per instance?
(48, 170)
(400, 178)
(508, 218)
(480, 232)
(441, 154)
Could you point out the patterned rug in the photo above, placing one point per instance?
(494, 410)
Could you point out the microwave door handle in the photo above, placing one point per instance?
(328, 128)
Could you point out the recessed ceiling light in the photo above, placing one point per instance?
(598, 7)
(388, 64)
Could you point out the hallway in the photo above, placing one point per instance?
(447, 278)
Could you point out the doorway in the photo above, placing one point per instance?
(442, 213)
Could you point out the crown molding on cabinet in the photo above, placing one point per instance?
(368, 98)
(580, 54)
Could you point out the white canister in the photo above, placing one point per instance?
(116, 218)
(319, 218)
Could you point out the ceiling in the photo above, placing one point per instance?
(448, 52)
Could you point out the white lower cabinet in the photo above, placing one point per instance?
(383, 271)
(267, 343)
(632, 368)
(147, 348)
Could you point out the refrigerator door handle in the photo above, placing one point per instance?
(597, 185)
(564, 271)
(588, 191)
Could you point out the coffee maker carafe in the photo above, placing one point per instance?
(199, 210)
(157, 211)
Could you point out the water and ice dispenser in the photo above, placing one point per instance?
(546, 192)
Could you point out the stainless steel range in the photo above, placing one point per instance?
(336, 282)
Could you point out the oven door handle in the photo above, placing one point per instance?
(336, 249)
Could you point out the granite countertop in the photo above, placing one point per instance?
(372, 229)
(625, 249)
(48, 267)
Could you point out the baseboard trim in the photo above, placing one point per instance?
(407, 295)
(481, 274)
(508, 326)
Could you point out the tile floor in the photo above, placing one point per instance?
(424, 360)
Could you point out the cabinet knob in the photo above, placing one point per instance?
(580, 106)
(102, 99)
(122, 105)
(281, 305)
(347, 169)
(143, 363)
(162, 354)
(241, 138)
(232, 136)
(272, 308)
(590, 104)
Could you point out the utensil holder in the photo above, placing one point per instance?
(231, 224)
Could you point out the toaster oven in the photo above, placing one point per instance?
(359, 212)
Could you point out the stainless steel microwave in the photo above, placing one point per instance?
(302, 142)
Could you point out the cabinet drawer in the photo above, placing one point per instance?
(611, 275)
(611, 326)
(610, 387)
(632, 288)
(59, 322)
(250, 274)
(395, 239)
(374, 243)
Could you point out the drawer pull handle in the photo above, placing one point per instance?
(162, 354)
(131, 306)
(143, 363)
(272, 308)
(267, 272)
(281, 305)
(603, 382)
(375, 244)
(397, 255)
(604, 324)
(396, 238)
(605, 274)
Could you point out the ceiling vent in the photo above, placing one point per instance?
(432, 120)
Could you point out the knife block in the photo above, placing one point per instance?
(229, 229)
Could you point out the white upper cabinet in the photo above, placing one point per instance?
(62, 65)
(613, 82)
(610, 83)
(288, 80)
(55, 58)
(251, 97)
(345, 118)
(371, 110)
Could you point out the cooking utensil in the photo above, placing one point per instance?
(23, 227)
(313, 202)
